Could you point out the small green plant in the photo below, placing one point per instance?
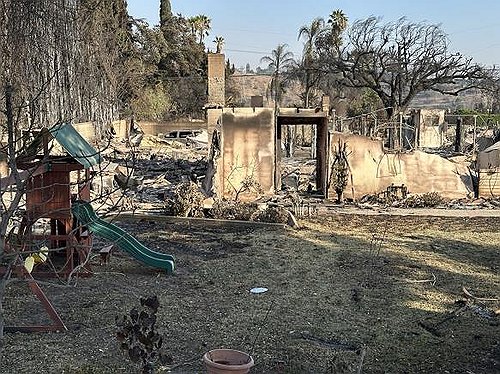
(138, 336)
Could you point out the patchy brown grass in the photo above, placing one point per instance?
(383, 287)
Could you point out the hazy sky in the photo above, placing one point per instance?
(253, 28)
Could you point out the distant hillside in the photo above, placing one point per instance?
(431, 99)
(241, 87)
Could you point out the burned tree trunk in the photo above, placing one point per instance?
(8, 210)
(458, 135)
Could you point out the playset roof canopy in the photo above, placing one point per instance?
(70, 140)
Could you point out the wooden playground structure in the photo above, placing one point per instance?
(51, 184)
(54, 236)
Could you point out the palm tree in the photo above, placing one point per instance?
(165, 12)
(279, 61)
(338, 24)
(219, 44)
(193, 23)
(200, 26)
(310, 34)
(204, 27)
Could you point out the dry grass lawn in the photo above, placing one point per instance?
(383, 292)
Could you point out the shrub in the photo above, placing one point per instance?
(230, 209)
(138, 336)
(272, 214)
(187, 201)
(426, 200)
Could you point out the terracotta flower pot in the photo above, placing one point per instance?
(227, 361)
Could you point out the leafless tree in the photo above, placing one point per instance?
(397, 60)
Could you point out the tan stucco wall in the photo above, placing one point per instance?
(87, 130)
(247, 141)
(489, 173)
(121, 128)
(489, 183)
(373, 170)
(4, 167)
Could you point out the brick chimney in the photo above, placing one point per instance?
(216, 80)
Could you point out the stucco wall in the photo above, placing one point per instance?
(247, 149)
(121, 128)
(373, 170)
(489, 174)
(4, 167)
(489, 183)
(155, 128)
(87, 130)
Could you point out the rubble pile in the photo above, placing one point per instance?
(166, 165)
(145, 176)
(426, 200)
(472, 204)
(165, 175)
(298, 174)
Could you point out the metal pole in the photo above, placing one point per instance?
(458, 135)
(474, 135)
(400, 130)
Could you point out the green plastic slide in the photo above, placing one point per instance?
(85, 214)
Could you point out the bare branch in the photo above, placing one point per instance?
(397, 60)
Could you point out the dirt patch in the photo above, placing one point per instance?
(382, 290)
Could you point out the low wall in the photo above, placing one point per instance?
(373, 170)
(4, 167)
(87, 130)
(121, 128)
(155, 128)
